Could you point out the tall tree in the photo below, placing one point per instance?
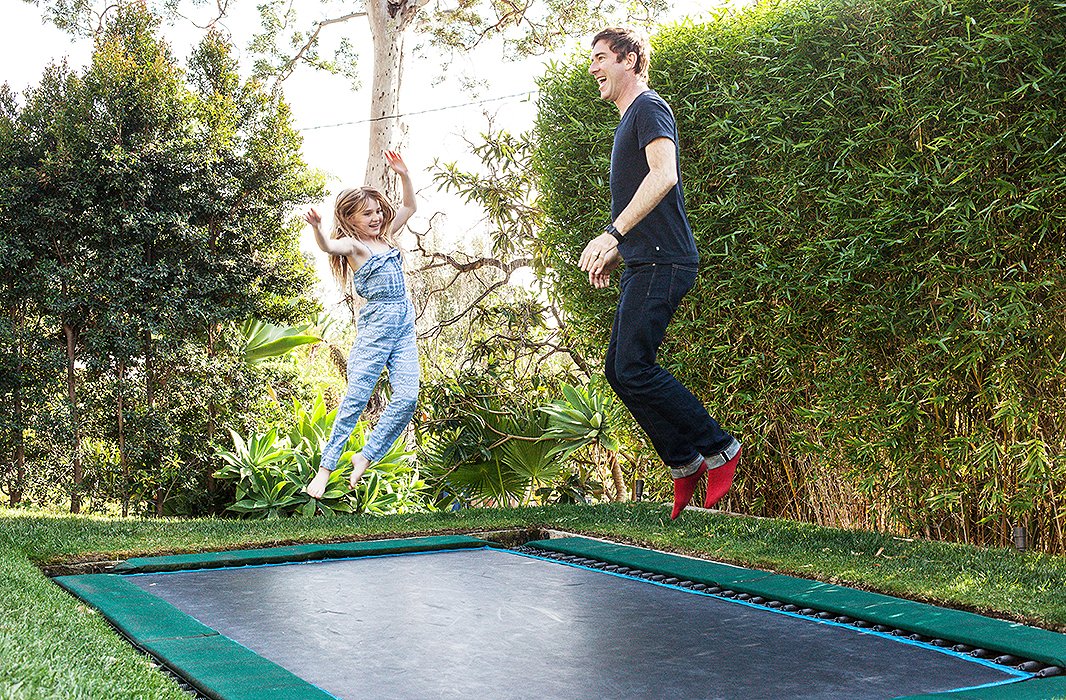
(155, 216)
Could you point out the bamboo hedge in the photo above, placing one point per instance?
(877, 191)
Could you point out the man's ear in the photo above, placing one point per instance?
(631, 60)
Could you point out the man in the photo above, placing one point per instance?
(650, 232)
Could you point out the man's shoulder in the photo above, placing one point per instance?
(650, 99)
(651, 108)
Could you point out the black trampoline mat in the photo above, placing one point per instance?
(491, 624)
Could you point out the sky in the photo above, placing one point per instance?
(440, 113)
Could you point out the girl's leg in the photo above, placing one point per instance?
(403, 377)
(365, 362)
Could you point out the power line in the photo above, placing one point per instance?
(424, 111)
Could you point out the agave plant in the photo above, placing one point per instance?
(259, 452)
(271, 472)
(311, 428)
(267, 493)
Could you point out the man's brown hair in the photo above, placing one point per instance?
(626, 41)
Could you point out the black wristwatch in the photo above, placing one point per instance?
(613, 231)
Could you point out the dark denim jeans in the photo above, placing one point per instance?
(677, 423)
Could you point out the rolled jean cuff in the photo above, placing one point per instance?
(718, 459)
(687, 470)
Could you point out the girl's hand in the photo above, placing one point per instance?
(313, 218)
(396, 162)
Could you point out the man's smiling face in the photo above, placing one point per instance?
(609, 72)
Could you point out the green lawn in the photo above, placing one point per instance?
(52, 646)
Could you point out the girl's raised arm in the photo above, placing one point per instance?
(333, 246)
(409, 205)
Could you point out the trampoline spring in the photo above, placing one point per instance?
(843, 619)
(743, 596)
(962, 648)
(648, 576)
(899, 633)
(728, 594)
(914, 637)
(940, 642)
(982, 653)
(671, 580)
(1030, 666)
(882, 628)
(699, 586)
(825, 615)
(758, 600)
(1051, 671)
(658, 578)
(715, 590)
(686, 584)
(808, 611)
(612, 568)
(775, 604)
(790, 608)
(863, 624)
(1007, 660)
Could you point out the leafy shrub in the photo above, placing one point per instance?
(483, 444)
(271, 472)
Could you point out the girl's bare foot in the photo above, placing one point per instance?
(359, 465)
(317, 487)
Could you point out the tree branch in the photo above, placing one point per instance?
(286, 70)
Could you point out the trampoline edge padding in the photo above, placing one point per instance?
(968, 628)
(296, 553)
(1032, 689)
(214, 664)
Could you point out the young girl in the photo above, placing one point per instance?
(363, 254)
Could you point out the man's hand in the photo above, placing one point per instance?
(595, 256)
(610, 264)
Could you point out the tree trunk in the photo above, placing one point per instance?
(18, 431)
(212, 412)
(620, 492)
(123, 462)
(72, 395)
(149, 394)
(388, 20)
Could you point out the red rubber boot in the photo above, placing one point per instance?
(684, 488)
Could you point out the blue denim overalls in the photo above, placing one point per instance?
(386, 339)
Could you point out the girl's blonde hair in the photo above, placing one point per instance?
(351, 202)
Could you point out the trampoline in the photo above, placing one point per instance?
(462, 617)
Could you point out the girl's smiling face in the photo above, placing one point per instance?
(367, 221)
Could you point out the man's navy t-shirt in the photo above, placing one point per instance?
(664, 235)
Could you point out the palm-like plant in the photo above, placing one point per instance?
(262, 340)
(588, 417)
